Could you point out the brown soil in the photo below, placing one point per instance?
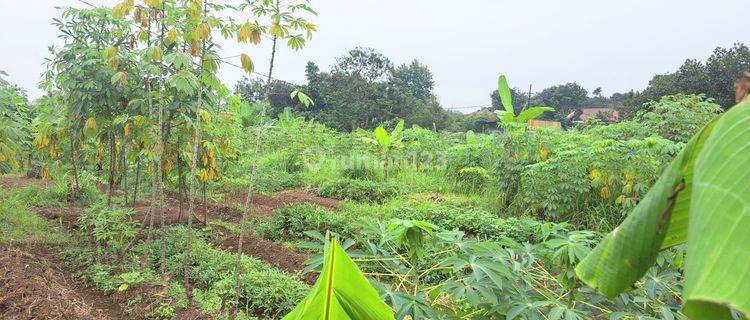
(283, 258)
(266, 204)
(15, 181)
(69, 303)
(33, 285)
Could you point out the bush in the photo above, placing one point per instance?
(678, 117)
(359, 190)
(265, 289)
(282, 161)
(361, 167)
(292, 222)
(472, 220)
(112, 226)
(273, 181)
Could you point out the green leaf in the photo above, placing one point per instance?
(504, 91)
(717, 265)
(532, 113)
(396, 133)
(341, 292)
(630, 250)
(382, 137)
(704, 188)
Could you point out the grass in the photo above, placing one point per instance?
(18, 224)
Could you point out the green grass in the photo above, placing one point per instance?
(18, 224)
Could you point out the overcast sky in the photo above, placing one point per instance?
(616, 45)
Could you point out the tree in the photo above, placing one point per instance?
(415, 78)
(13, 123)
(92, 77)
(723, 67)
(597, 92)
(714, 78)
(287, 21)
(565, 98)
(363, 90)
(366, 63)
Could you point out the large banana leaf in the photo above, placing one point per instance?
(702, 197)
(503, 90)
(341, 293)
(382, 137)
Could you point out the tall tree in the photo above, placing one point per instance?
(414, 78)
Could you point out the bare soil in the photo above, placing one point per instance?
(34, 285)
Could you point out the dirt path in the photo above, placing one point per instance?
(34, 285)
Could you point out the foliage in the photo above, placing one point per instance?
(341, 292)
(291, 223)
(359, 190)
(684, 206)
(678, 117)
(458, 277)
(471, 220)
(714, 78)
(113, 227)
(508, 115)
(14, 120)
(364, 89)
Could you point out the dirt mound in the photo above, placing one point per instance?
(33, 286)
(275, 253)
(296, 197)
(14, 181)
(266, 204)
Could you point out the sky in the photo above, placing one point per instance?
(615, 45)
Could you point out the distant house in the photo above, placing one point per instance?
(488, 122)
(584, 115)
(545, 124)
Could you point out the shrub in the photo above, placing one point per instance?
(288, 162)
(112, 226)
(273, 181)
(361, 167)
(472, 220)
(265, 289)
(359, 190)
(292, 222)
(678, 117)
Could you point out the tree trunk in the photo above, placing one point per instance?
(111, 168)
(193, 167)
(137, 179)
(250, 188)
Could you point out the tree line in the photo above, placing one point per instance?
(364, 89)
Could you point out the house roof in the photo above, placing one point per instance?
(584, 114)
